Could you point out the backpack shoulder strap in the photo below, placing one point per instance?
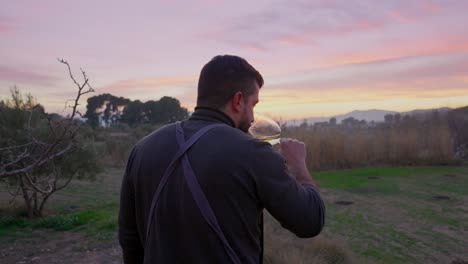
(170, 169)
(201, 200)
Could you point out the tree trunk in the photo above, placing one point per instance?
(43, 202)
(34, 202)
(27, 198)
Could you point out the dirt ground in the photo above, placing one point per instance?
(59, 247)
(47, 246)
(411, 224)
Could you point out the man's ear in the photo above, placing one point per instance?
(237, 101)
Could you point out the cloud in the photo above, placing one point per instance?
(254, 47)
(160, 83)
(289, 102)
(6, 25)
(182, 88)
(14, 75)
(425, 46)
(302, 22)
(413, 78)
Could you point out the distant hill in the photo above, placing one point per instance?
(368, 115)
(425, 113)
(375, 115)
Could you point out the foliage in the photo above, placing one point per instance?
(105, 104)
(41, 153)
(111, 110)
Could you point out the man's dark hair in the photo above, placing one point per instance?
(222, 77)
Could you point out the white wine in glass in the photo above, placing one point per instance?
(265, 129)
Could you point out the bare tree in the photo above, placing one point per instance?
(31, 166)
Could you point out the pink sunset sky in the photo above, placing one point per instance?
(318, 58)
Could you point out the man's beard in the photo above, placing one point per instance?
(244, 125)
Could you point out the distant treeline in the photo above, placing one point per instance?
(107, 110)
(436, 138)
(409, 140)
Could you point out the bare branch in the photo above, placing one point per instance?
(79, 113)
(68, 134)
(14, 195)
(66, 103)
(15, 147)
(69, 71)
(65, 184)
(51, 129)
(22, 160)
(38, 163)
(19, 158)
(32, 183)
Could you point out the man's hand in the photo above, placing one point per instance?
(294, 152)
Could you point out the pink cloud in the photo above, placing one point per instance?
(414, 11)
(148, 83)
(299, 22)
(23, 76)
(402, 48)
(294, 39)
(6, 25)
(419, 73)
(432, 7)
(3, 28)
(253, 47)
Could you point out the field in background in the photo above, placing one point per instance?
(344, 146)
(374, 215)
(400, 215)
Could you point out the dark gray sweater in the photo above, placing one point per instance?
(239, 175)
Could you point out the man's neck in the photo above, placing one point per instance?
(223, 113)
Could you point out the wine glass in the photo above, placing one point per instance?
(266, 129)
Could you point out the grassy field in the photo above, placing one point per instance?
(399, 215)
(374, 215)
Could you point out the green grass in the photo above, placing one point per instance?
(358, 178)
(371, 235)
(87, 207)
(98, 221)
(400, 221)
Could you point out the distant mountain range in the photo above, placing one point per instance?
(421, 113)
(375, 115)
